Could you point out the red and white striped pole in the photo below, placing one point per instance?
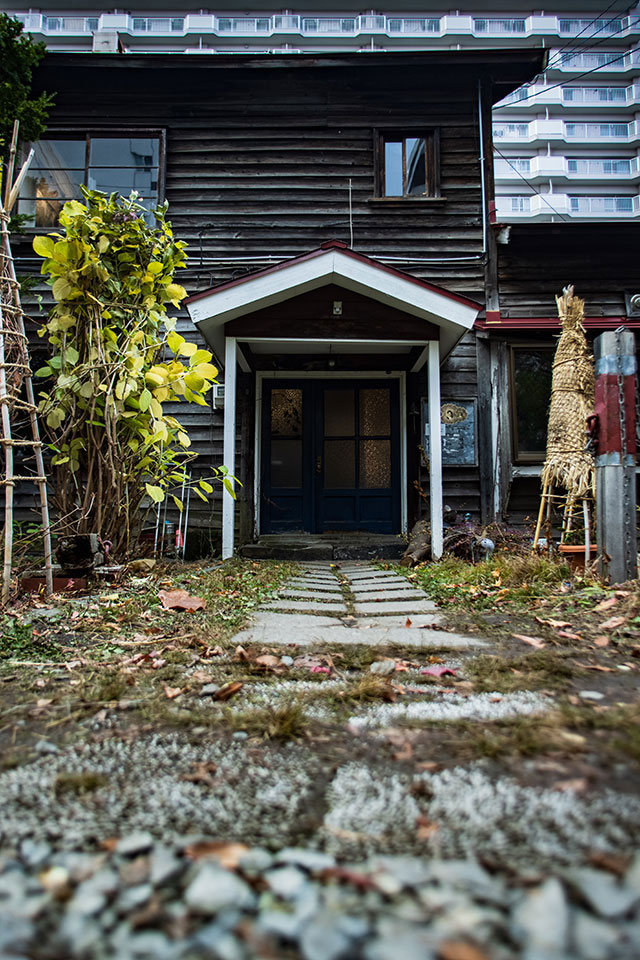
(615, 408)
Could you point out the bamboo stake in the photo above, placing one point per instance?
(11, 164)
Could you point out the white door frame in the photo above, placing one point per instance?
(398, 375)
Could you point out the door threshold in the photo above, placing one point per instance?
(325, 546)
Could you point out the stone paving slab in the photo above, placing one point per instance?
(399, 620)
(314, 585)
(384, 595)
(276, 621)
(306, 605)
(369, 573)
(311, 595)
(350, 636)
(398, 606)
(391, 583)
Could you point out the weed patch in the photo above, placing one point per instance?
(532, 671)
(19, 642)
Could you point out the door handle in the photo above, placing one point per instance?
(318, 464)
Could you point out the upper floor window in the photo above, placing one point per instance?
(407, 164)
(113, 162)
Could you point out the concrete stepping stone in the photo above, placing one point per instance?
(399, 620)
(306, 605)
(391, 583)
(311, 595)
(313, 634)
(384, 595)
(397, 606)
(275, 621)
(314, 585)
(370, 574)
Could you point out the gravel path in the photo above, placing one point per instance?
(162, 846)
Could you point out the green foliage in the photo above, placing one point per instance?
(114, 444)
(19, 642)
(506, 578)
(19, 56)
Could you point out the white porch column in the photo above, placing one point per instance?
(229, 444)
(435, 450)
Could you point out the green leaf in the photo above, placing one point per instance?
(156, 493)
(71, 355)
(206, 370)
(145, 400)
(155, 267)
(188, 349)
(43, 372)
(178, 503)
(175, 292)
(201, 495)
(229, 487)
(204, 485)
(62, 289)
(175, 341)
(43, 246)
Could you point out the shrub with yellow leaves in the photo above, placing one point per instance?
(116, 361)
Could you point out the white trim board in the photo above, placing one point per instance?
(211, 311)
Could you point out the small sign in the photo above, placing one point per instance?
(459, 431)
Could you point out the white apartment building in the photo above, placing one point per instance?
(567, 145)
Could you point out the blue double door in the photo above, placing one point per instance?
(330, 456)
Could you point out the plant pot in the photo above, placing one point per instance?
(574, 555)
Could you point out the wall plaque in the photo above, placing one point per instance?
(459, 431)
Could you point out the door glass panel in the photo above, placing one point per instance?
(339, 464)
(286, 462)
(339, 413)
(286, 413)
(375, 464)
(286, 438)
(375, 413)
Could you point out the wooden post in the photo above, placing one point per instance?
(615, 397)
(435, 452)
(229, 445)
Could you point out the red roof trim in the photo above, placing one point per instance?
(553, 323)
(322, 251)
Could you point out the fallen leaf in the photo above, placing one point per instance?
(602, 641)
(577, 784)
(617, 864)
(228, 855)
(569, 636)
(109, 844)
(408, 622)
(553, 623)
(438, 671)
(425, 828)
(228, 690)
(595, 666)
(606, 604)
(268, 660)
(319, 669)
(613, 623)
(203, 772)
(43, 703)
(241, 653)
(180, 600)
(460, 950)
(172, 692)
(536, 642)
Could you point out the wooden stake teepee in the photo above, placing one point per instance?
(15, 374)
(568, 466)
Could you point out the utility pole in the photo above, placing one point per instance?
(615, 409)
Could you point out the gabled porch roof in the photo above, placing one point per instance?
(332, 263)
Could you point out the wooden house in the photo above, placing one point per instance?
(343, 267)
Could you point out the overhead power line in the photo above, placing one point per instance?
(542, 196)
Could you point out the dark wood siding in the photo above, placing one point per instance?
(262, 155)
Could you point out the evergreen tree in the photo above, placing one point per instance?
(19, 56)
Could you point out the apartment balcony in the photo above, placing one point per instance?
(585, 169)
(548, 206)
(398, 30)
(610, 62)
